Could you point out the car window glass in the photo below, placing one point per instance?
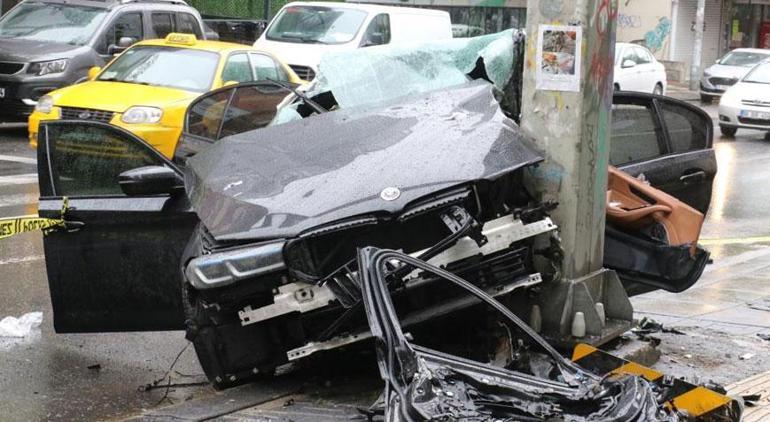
(187, 24)
(86, 160)
(162, 24)
(251, 108)
(685, 128)
(266, 68)
(205, 116)
(629, 54)
(641, 56)
(378, 31)
(126, 25)
(634, 135)
(237, 69)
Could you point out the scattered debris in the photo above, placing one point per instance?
(747, 356)
(22, 326)
(95, 367)
(764, 336)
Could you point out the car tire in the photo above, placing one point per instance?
(728, 131)
(706, 99)
(658, 90)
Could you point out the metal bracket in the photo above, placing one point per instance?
(495, 291)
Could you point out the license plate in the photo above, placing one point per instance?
(749, 114)
(722, 87)
(2, 92)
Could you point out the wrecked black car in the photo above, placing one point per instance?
(248, 238)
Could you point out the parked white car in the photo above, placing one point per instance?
(747, 103)
(728, 70)
(302, 32)
(636, 69)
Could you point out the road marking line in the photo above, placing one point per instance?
(16, 159)
(19, 179)
(735, 240)
(30, 258)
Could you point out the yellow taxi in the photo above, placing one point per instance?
(147, 88)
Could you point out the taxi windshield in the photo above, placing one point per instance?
(54, 22)
(316, 25)
(182, 68)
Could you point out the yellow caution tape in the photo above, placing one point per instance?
(28, 223)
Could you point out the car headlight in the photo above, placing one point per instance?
(706, 74)
(142, 115)
(44, 104)
(225, 268)
(45, 68)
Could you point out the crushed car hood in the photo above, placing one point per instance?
(279, 181)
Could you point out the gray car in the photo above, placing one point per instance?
(49, 44)
(728, 70)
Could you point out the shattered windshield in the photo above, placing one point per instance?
(365, 77)
(316, 24)
(61, 23)
(182, 68)
(743, 58)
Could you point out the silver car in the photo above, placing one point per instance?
(728, 70)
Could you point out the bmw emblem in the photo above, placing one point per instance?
(390, 193)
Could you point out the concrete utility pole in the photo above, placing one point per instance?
(697, 53)
(573, 128)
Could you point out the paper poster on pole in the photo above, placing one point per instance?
(558, 57)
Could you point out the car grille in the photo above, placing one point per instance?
(304, 72)
(72, 113)
(758, 122)
(756, 103)
(7, 68)
(14, 110)
(722, 81)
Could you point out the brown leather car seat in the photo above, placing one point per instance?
(633, 204)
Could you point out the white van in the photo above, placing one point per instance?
(302, 32)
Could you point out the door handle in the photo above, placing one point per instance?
(695, 176)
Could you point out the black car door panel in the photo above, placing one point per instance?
(116, 266)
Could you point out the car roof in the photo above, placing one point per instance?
(628, 44)
(368, 7)
(751, 50)
(205, 45)
(107, 4)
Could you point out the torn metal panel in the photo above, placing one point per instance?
(422, 384)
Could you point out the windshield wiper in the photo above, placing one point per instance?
(306, 40)
(314, 105)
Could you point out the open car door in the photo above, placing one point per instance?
(115, 267)
(666, 144)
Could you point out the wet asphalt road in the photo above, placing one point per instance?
(47, 376)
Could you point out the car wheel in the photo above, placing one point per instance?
(706, 99)
(658, 90)
(728, 131)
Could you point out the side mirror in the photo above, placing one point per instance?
(123, 44)
(229, 83)
(628, 63)
(151, 180)
(718, 61)
(93, 72)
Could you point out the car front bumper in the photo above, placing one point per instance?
(161, 137)
(20, 94)
(735, 116)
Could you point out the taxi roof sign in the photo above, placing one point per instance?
(183, 39)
